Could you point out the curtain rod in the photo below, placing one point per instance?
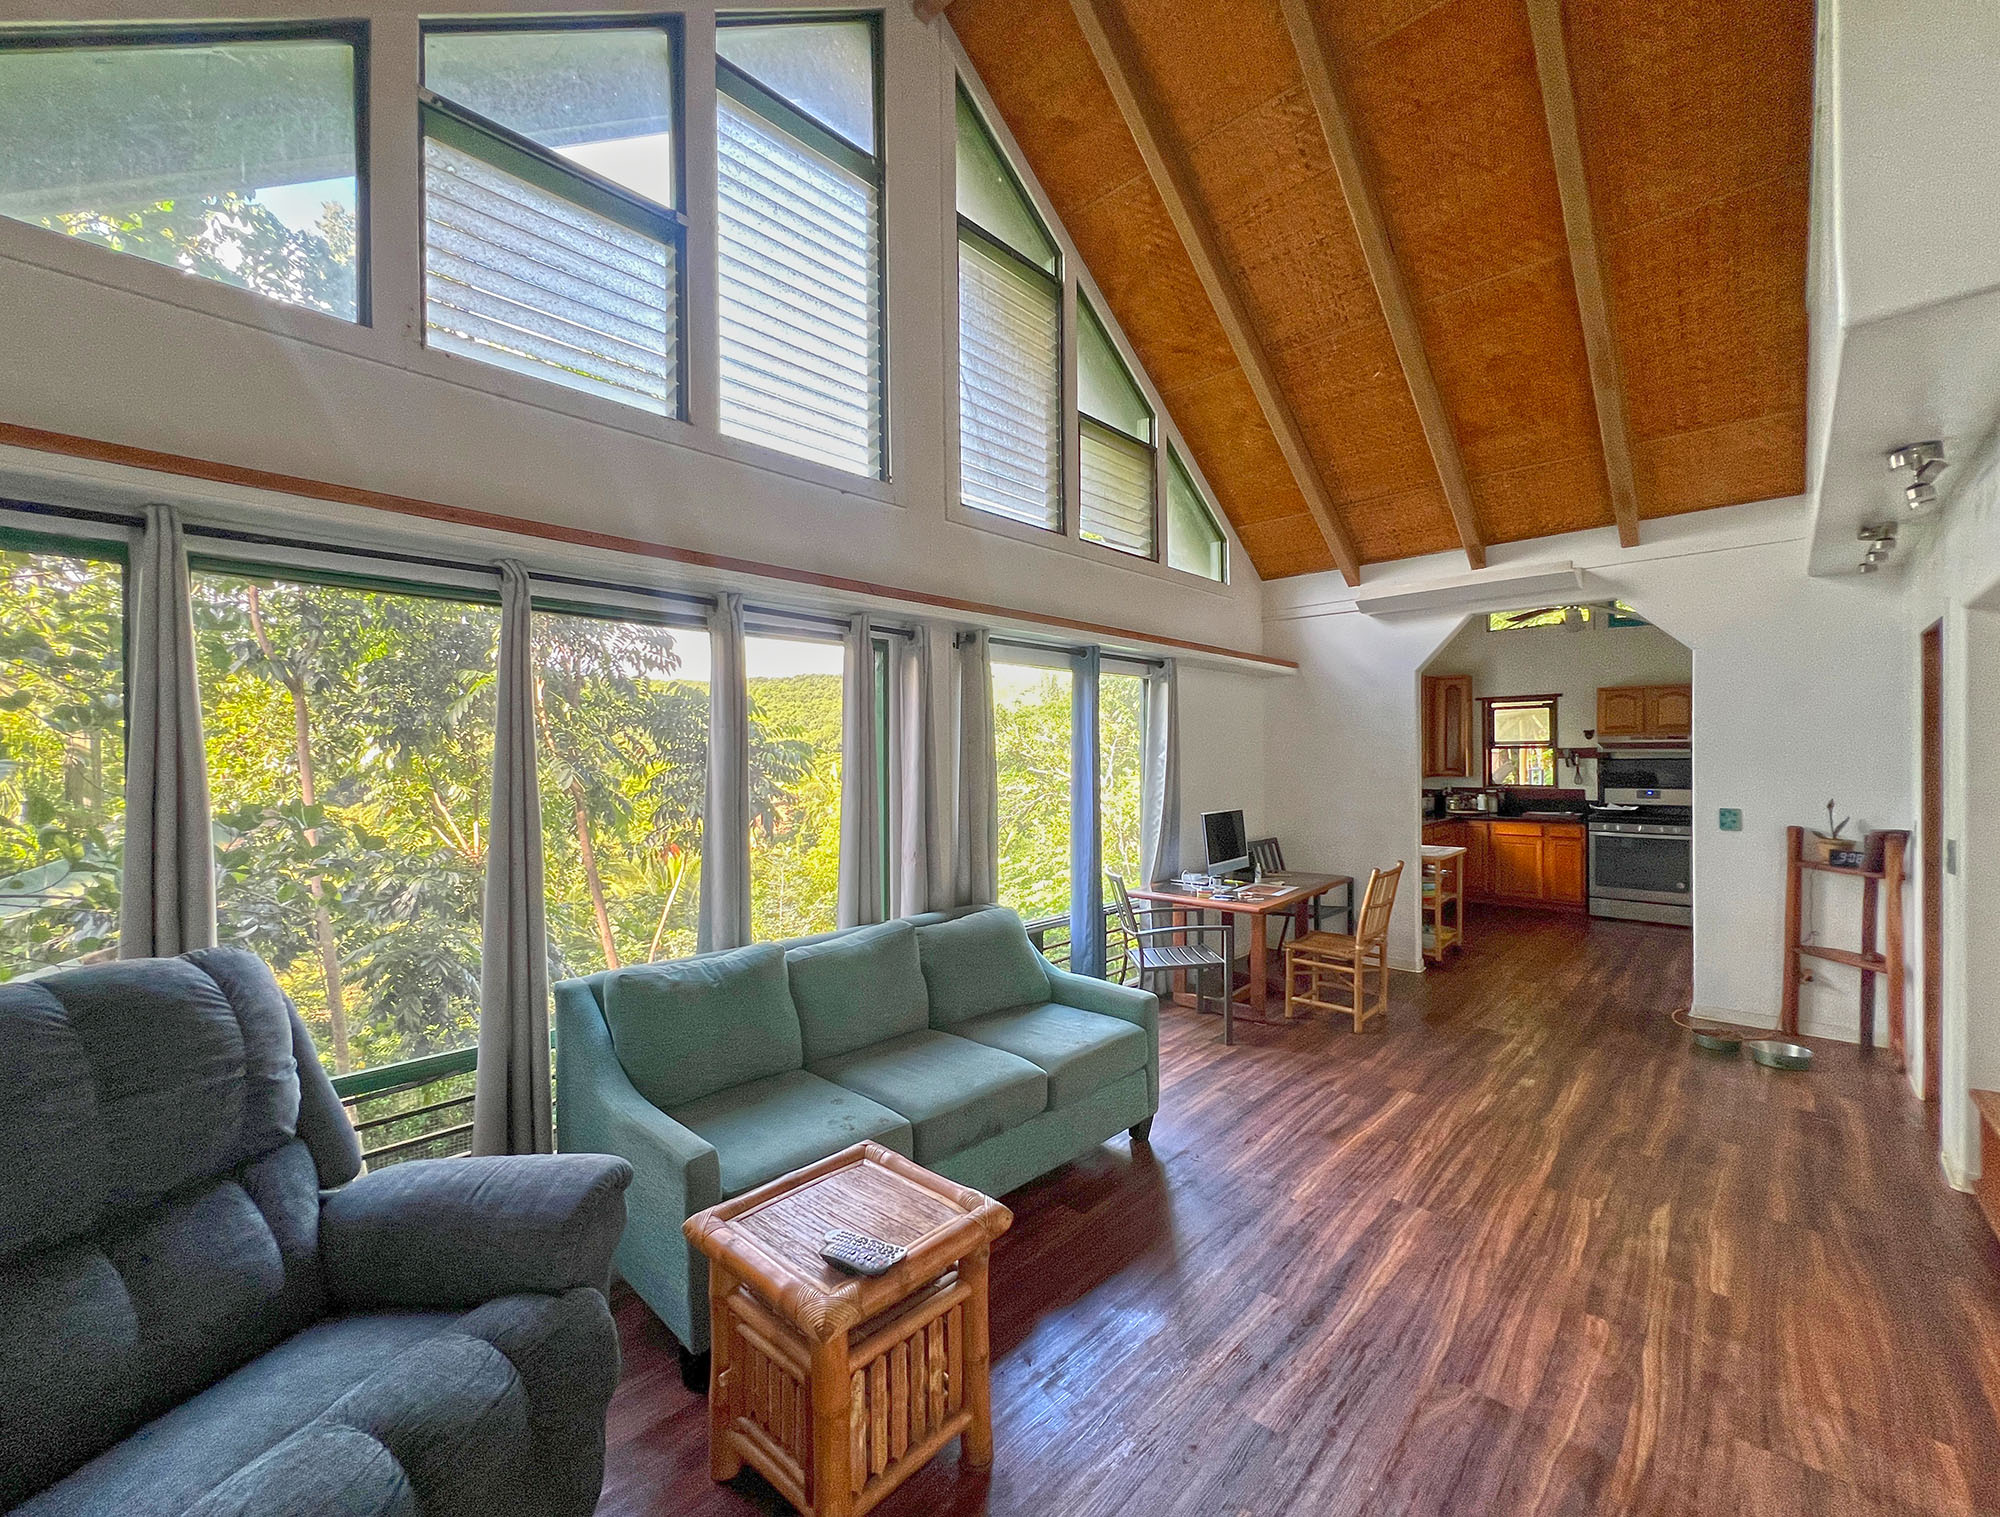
(428, 561)
(1074, 650)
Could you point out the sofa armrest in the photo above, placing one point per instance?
(676, 1171)
(1126, 1002)
(456, 1232)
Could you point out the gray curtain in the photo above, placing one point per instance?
(510, 1108)
(725, 836)
(1086, 837)
(167, 902)
(1160, 778)
(919, 807)
(976, 841)
(860, 899)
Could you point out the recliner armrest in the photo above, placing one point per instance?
(456, 1232)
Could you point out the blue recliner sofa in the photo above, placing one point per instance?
(945, 1037)
(203, 1313)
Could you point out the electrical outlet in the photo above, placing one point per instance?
(1730, 819)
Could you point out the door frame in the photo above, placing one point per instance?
(1930, 849)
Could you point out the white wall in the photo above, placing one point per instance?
(1571, 662)
(1222, 723)
(1802, 691)
(114, 348)
(1955, 580)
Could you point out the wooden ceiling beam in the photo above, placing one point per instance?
(930, 10)
(1118, 60)
(1586, 261)
(1336, 123)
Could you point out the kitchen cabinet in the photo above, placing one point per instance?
(1669, 710)
(1447, 701)
(1645, 712)
(1565, 867)
(1516, 866)
(1520, 863)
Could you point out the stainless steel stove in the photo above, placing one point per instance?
(1642, 863)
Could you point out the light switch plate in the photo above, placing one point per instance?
(1730, 819)
(1951, 855)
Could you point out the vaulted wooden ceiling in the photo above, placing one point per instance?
(1334, 231)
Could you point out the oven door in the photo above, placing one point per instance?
(1633, 866)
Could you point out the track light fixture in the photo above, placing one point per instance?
(1924, 461)
(1879, 541)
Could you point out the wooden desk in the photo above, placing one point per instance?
(1288, 894)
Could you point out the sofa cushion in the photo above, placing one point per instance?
(978, 963)
(770, 1127)
(167, 1464)
(857, 988)
(954, 1093)
(1080, 1051)
(691, 1027)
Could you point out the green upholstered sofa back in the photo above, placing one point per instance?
(977, 963)
(858, 988)
(686, 1028)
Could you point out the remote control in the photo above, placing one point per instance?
(859, 1254)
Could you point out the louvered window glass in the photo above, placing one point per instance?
(1116, 437)
(1009, 340)
(552, 241)
(231, 159)
(800, 235)
(1195, 544)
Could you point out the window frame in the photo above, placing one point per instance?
(551, 172)
(1076, 283)
(821, 139)
(991, 247)
(1490, 704)
(354, 33)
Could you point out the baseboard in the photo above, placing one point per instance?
(1832, 1030)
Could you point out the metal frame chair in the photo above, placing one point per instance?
(1148, 958)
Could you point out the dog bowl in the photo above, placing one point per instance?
(1774, 1054)
(1718, 1042)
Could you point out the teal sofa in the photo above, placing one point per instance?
(946, 1037)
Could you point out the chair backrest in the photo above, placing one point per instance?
(1265, 854)
(1377, 904)
(1126, 915)
(165, 1131)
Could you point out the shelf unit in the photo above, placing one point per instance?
(1443, 900)
(1881, 920)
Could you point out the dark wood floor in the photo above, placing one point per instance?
(1522, 1253)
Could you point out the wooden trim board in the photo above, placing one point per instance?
(1118, 60)
(1371, 229)
(1586, 261)
(98, 451)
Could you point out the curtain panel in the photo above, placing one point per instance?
(976, 841)
(1160, 778)
(510, 1108)
(167, 899)
(1086, 839)
(861, 885)
(725, 838)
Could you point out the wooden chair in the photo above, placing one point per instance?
(1150, 958)
(1321, 962)
(1267, 856)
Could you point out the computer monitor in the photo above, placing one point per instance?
(1228, 844)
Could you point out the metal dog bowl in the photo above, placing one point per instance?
(1718, 1042)
(1774, 1054)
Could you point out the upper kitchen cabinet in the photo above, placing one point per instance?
(1645, 712)
(1448, 727)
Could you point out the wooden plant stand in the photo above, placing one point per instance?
(1881, 906)
(834, 1387)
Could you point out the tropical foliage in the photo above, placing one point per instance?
(62, 758)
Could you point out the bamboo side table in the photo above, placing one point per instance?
(834, 1387)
